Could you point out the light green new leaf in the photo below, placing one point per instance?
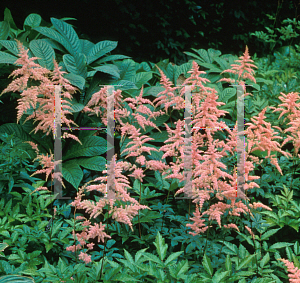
(41, 49)
(72, 173)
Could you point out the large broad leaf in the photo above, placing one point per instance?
(33, 20)
(41, 49)
(72, 173)
(141, 78)
(109, 69)
(112, 58)
(100, 49)
(4, 30)
(76, 65)
(11, 46)
(21, 136)
(96, 163)
(55, 36)
(91, 146)
(69, 34)
(75, 80)
(86, 46)
(6, 58)
(127, 69)
(16, 279)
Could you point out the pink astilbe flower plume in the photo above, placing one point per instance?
(208, 176)
(294, 272)
(243, 69)
(42, 96)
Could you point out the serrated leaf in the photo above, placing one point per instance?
(265, 260)
(269, 233)
(207, 265)
(160, 245)
(172, 257)
(245, 262)
(280, 245)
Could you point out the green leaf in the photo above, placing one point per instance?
(33, 20)
(72, 173)
(100, 49)
(207, 265)
(4, 30)
(280, 245)
(160, 245)
(76, 65)
(108, 69)
(141, 78)
(12, 46)
(172, 257)
(245, 262)
(75, 80)
(152, 258)
(51, 33)
(40, 48)
(91, 146)
(265, 260)
(16, 279)
(6, 58)
(226, 94)
(269, 233)
(127, 69)
(9, 19)
(69, 34)
(96, 163)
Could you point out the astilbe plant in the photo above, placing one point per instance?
(294, 272)
(206, 175)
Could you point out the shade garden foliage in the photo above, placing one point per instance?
(146, 234)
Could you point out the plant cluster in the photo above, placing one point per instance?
(213, 235)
